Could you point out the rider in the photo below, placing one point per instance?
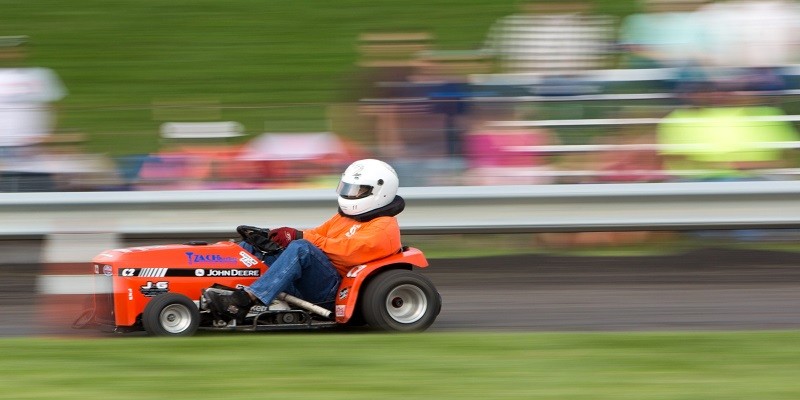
(314, 261)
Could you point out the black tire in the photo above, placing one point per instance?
(171, 314)
(400, 301)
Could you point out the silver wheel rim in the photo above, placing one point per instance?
(175, 318)
(406, 304)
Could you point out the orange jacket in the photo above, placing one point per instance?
(348, 242)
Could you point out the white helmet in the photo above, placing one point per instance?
(367, 185)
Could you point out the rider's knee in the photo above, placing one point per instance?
(299, 244)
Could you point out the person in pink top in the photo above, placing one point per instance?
(500, 155)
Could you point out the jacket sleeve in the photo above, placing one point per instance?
(368, 241)
(321, 230)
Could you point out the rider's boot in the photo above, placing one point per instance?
(234, 303)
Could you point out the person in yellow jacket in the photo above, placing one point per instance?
(724, 138)
(313, 261)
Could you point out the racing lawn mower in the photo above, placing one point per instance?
(160, 290)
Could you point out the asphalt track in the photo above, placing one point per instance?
(703, 290)
(712, 289)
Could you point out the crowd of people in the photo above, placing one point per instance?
(545, 99)
(557, 93)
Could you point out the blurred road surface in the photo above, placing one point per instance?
(704, 290)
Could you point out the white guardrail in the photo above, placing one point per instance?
(429, 210)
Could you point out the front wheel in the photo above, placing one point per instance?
(401, 301)
(171, 314)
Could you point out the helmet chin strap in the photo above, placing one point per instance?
(396, 206)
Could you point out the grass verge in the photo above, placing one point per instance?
(696, 365)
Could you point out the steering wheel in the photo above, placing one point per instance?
(246, 230)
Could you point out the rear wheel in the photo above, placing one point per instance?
(401, 301)
(171, 314)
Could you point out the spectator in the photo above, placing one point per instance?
(719, 138)
(417, 99)
(669, 33)
(760, 33)
(631, 156)
(444, 77)
(498, 155)
(753, 38)
(560, 38)
(26, 119)
(384, 90)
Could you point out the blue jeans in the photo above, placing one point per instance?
(301, 270)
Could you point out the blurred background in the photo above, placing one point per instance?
(150, 95)
(202, 95)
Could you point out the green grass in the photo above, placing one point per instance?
(269, 64)
(741, 365)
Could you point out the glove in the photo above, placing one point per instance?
(282, 236)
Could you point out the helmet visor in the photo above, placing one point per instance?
(352, 191)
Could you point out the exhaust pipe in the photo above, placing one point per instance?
(305, 305)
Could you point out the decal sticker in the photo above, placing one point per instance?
(189, 272)
(258, 309)
(247, 260)
(343, 293)
(356, 270)
(107, 270)
(151, 289)
(195, 258)
(357, 170)
(352, 230)
(153, 272)
(340, 311)
(96, 269)
(130, 294)
(232, 272)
